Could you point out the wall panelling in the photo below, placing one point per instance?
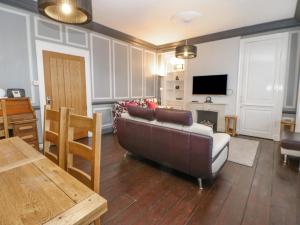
(16, 67)
(76, 37)
(136, 69)
(121, 70)
(48, 30)
(149, 73)
(107, 117)
(101, 67)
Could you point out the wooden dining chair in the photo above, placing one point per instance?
(89, 153)
(57, 138)
(3, 120)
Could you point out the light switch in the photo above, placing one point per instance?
(35, 82)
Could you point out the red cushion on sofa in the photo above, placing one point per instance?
(145, 113)
(131, 104)
(151, 105)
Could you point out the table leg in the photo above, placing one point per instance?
(285, 160)
(292, 128)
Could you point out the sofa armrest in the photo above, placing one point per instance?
(201, 156)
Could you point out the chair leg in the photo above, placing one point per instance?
(200, 183)
(285, 160)
(97, 222)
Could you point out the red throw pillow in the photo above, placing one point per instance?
(151, 105)
(131, 104)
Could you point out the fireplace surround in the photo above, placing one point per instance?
(208, 118)
(217, 108)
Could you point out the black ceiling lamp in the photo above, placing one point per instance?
(67, 11)
(186, 51)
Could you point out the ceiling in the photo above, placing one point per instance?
(153, 20)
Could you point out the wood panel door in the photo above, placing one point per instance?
(65, 84)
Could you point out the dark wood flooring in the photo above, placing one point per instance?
(140, 192)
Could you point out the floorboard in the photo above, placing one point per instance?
(140, 192)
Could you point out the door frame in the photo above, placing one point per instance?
(280, 80)
(59, 48)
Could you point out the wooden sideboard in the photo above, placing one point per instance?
(22, 120)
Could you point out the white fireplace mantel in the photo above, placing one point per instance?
(214, 107)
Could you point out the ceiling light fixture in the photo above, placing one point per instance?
(67, 11)
(184, 17)
(66, 8)
(186, 51)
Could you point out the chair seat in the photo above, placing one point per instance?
(290, 140)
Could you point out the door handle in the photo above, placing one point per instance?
(48, 100)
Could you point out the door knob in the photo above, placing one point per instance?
(48, 100)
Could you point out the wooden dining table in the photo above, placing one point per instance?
(34, 190)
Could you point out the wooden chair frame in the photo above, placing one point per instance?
(92, 154)
(3, 120)
(59, 139)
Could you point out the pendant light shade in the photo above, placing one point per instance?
(186, 51)
(67, 11)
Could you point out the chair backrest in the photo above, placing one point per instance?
(58, 138)
(3, 120)
(90, 153)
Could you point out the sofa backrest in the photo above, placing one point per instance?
(182, 150)
(181, 117)
(194, 128)
(144, 113)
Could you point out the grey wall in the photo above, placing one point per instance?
(136, 71)
(15, 52)
(121, 70)
(217, 57)
(149, 79)
(292, 80)
(101, 67)
(117, 68)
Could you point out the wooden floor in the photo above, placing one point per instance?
(142, 192)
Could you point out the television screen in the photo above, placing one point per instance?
(210, 85)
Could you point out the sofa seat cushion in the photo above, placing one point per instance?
(290, 140)
(220, 140)
(199, 129)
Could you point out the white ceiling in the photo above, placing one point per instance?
(151, 20)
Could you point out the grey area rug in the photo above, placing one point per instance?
(242, 151)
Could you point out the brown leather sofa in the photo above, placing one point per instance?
(169, 137)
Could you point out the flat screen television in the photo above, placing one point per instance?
(210, 85)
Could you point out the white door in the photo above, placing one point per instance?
(262, 73)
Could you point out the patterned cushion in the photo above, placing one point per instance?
(121, 107)
(151, 105)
